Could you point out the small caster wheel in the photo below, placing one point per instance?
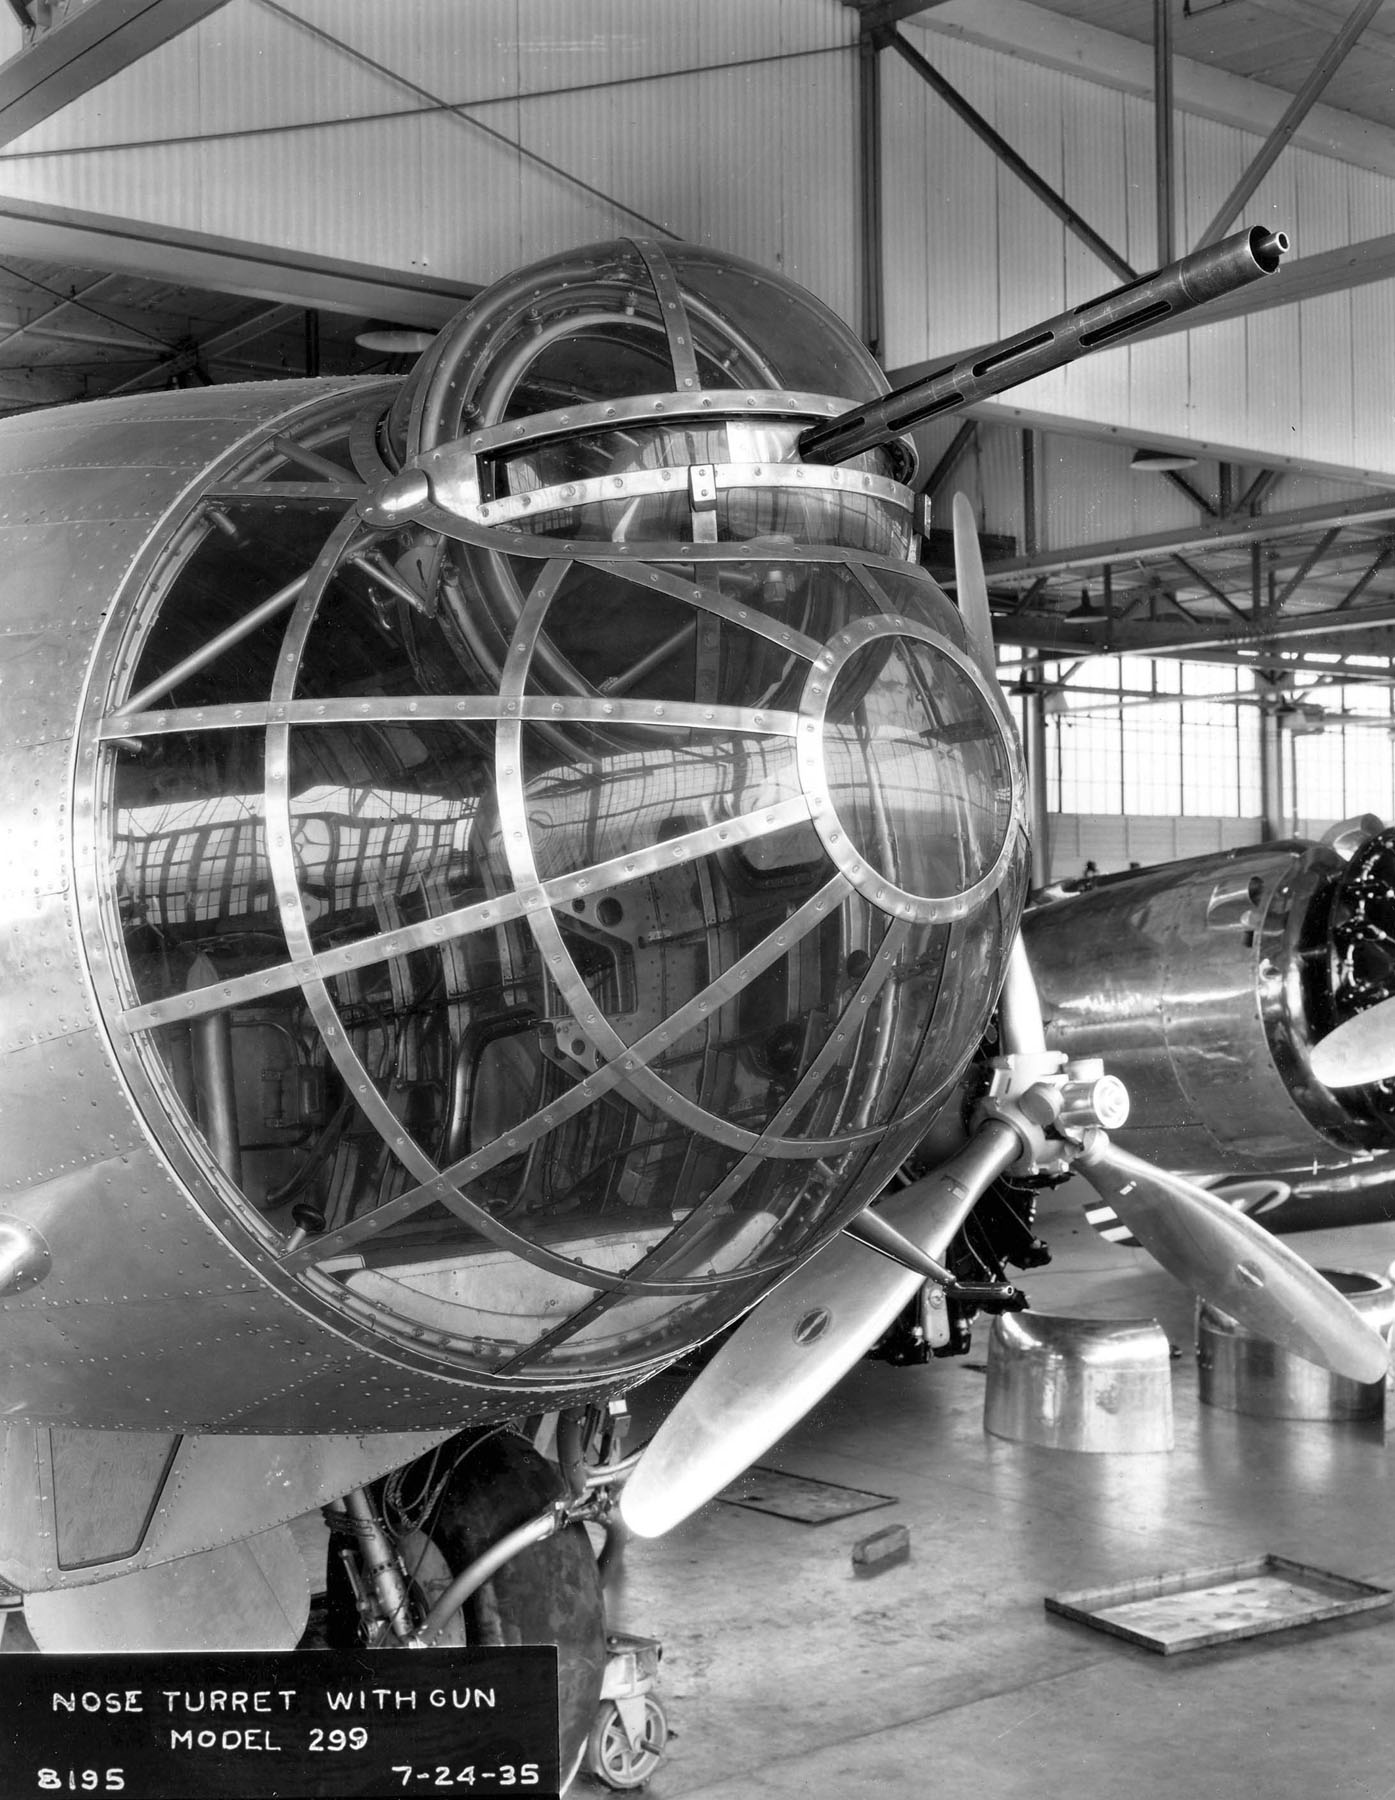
(610, 1755)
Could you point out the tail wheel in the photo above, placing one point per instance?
(620, 1759)
(549, 1594)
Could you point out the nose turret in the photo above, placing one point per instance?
(552, 894)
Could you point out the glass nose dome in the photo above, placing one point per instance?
(557, 888)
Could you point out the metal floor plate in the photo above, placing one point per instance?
(1170, 1613)
(797, 1497)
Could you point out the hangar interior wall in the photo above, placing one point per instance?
(348, 129)
(972, 255)
(322, 125)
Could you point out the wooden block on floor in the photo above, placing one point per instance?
(882, 1550)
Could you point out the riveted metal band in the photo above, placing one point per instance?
(673, 312)
(811, 753)
(728, 477)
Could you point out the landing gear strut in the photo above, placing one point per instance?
(440, 1516)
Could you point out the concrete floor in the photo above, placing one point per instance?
(786, 1675)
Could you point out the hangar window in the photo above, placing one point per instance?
(1344, 757)
(1126, 736)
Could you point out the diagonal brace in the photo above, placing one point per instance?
(1004, 151)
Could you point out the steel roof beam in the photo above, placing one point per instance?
(1359, 587)
(1306, 567)
(1145, 638)
(1323, 70)
(1305, 278)
(92, 44)
(1199, 537)
(1190, 570)
(878, 15)
(945, 467)
(228, 265)
(1259, 489)
(273, 318)
(1003, 150)
(1198, 499)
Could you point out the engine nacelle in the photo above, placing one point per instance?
(1205, 984)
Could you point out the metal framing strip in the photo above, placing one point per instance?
(357, 1078)
(722, 406)
(673, 715)
(520, 546)
(564, 496)
(588, 1016)
(616, 1072)
(703, 1214)
(677, 326)
(482, 915)
(706, 599)
(209, 652)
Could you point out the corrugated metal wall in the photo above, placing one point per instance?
(1112, 841)
(310, 124)
(1086, 493)
(731, 122)
(973, 256)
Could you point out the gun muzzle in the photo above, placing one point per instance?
(1192, 281)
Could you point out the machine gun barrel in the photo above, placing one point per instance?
(1192, 281)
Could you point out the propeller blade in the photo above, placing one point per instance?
(1019, 1006)
(799, 1341)
(1360, 1050)
(1235, 1264)
(971, 588)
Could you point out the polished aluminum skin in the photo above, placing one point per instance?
(500, 870)
(1092, 1385)
(1205, 985)
(1242, 1372)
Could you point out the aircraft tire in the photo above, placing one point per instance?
(549, 1594)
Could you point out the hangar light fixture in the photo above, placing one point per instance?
(1155, 462)
(394, 340)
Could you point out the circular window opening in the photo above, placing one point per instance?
(918, 773)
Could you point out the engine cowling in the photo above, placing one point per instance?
(1205, 984)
